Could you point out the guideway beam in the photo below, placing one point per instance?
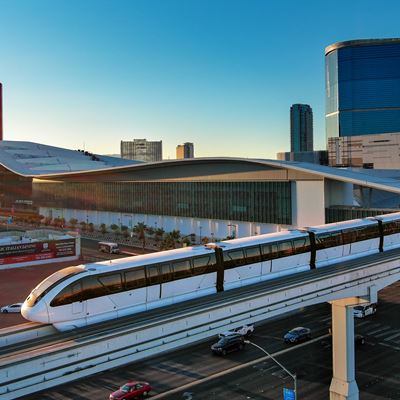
(343, 384)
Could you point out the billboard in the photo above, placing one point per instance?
(36, 251)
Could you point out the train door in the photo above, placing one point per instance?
(168, 286)
(77, 306)
(153, 283)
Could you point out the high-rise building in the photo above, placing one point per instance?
(1, 111)
(362, 87)
(185, 150)
(141, 150)
(301, 128)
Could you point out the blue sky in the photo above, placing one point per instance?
(221, 74)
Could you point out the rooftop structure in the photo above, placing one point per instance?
(34, 159)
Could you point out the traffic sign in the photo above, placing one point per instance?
(289, 394)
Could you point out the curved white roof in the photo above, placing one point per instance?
(33, 159)
(41, 161)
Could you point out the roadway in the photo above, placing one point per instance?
(247, 375)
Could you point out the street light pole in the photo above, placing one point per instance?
(277, 362)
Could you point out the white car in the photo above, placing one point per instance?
(245, 330)
(12, 308)
(363, 310)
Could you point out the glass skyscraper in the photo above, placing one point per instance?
(362, 87)
(301, 128)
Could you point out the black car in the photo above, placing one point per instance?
(227, 344)
(297, 335)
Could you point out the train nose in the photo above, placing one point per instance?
(37, 313)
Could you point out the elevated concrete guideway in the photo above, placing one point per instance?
(63, 358)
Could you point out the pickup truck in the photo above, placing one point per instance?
(245, 330)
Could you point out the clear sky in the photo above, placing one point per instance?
(219, 73)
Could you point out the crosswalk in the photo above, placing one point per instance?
(385, 334)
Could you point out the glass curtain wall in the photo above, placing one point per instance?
(267, 202)
(363, 90)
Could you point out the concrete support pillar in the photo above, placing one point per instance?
(343, 385)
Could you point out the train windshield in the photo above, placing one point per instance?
(44, 286)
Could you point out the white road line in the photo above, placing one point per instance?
(389, 332)
(381, 329)
(393, 336)
(365, 322)
(388, 345)
(233, 369)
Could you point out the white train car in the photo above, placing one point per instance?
(83, 295)
(390, 230)
(343, 241)
(254, 259)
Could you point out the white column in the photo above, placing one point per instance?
(343, 385)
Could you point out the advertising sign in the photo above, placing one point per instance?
(34, 251)
(289, 394)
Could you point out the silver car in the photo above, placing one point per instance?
(12, 308)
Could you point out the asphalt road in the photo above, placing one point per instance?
(246, 375)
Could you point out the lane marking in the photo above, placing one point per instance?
(234, 369)
(389, 332)
(388, 345)
(381, 329)
(393, 336)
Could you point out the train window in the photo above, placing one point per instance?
(286, 249)
(181, 269)
(349, 236)
(301, 245)
(326, 240)
(204, 264)
(269, 251)
(253, 254)
(234, 258)
(153, 277)
(112, 283)
(166, 272)
(92, 288)
(368, 232)
(322, 240)
(68, 295)
(135, 278)
(336, 238)
(391, 227)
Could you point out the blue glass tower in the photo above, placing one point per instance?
(362, 87)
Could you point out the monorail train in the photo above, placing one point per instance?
(78, 296)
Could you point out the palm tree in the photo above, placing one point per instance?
(103, 228)
(114, 228)
(140, 230)
(124, 231)
(171, 239)
(158, 235)
(83, 225)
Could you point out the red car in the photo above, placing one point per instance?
(131, 390)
